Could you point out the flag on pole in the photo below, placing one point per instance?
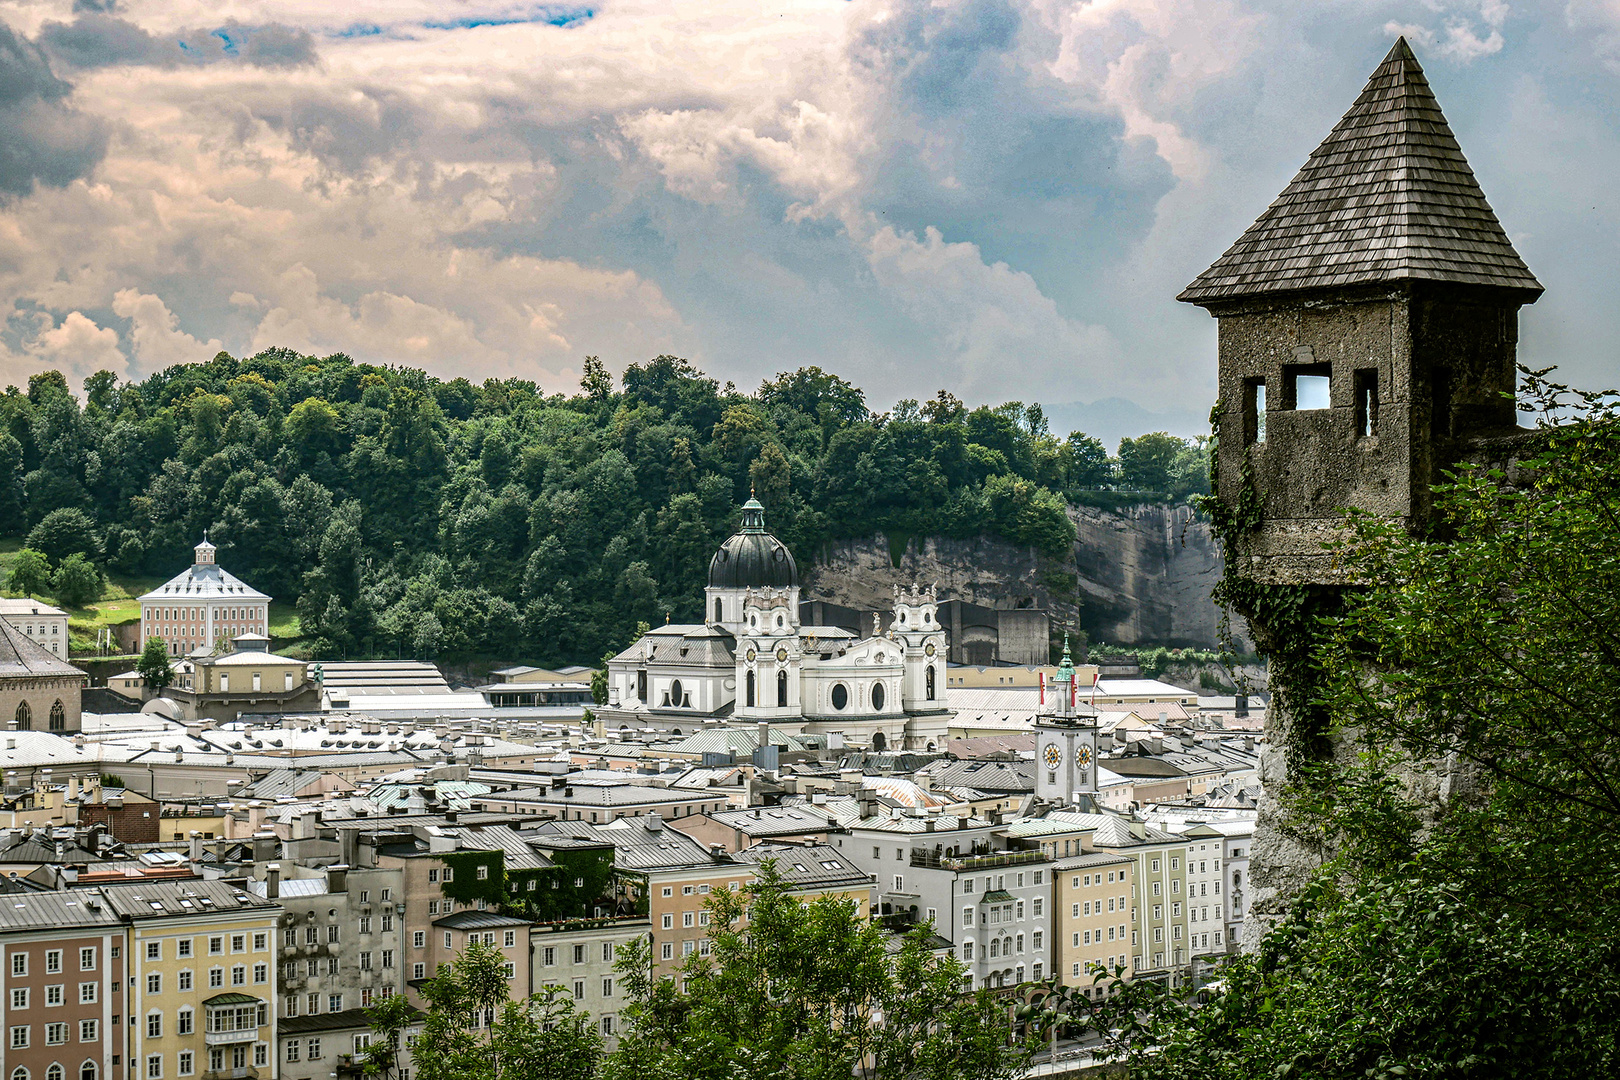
(1043, 687)
(1095, 677)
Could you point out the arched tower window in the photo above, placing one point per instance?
(930, 682)
(781, 689)
(880, 741)
(25, 722)
(750, 689)
(58, 716)
(717, 610)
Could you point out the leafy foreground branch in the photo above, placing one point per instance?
(1465, 924)
(789, 991)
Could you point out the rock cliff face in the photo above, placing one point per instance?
(1137, 577)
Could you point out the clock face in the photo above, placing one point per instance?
(1082, 756)
(930, 649)
(752, 656)
(781, 654)
(1053, 755)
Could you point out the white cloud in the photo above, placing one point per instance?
(1006, 339)
(159, 342)
(1458, 39)
(77, 347)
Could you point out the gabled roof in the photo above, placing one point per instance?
(1388, 196)
(23, 657)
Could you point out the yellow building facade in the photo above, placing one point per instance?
(200, 997)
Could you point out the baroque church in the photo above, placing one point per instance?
(754, 663)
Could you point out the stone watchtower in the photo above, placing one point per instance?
(1368, 329)
(1368, 324)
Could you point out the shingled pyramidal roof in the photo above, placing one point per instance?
(1388, 196)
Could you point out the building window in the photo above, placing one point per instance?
(87, 960)
(54, 994)
(154, 1025)
(419, 939)
(187, 1063)
(154, 1067)
(418, 971)
(216, 977)
(89, 1030)
(88, 993)
(183, 1022)
(19, 998)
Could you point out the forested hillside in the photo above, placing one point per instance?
(442, 518)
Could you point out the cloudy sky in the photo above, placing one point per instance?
(996, 197)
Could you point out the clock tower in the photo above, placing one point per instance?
(1066, 744)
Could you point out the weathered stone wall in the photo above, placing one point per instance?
(1140, 577)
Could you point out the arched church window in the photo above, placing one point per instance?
(58, 716)
(717, 609)
(54, 1072)
(750, 689)
(781, 689)
(25, 722)
(930, 682)
(880, 741)
(877, 697)
(840, 697)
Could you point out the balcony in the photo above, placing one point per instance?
(989, 861)
(229, 1038)
(245, 1072)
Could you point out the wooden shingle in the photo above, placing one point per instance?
(1388, 196)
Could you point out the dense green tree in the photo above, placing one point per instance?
(154, 665)
(78, 581)
(807, 990)
(474, 1031)
(30, 573)
(64, 531)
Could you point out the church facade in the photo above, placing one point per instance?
(754, 661)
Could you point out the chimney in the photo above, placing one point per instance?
(264, 846)
(654, 822)
(272, 881)
(196, 846)
(1240, 706)
(764, 737)
(337, 878)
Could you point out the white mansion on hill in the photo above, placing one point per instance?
(193, 610)
(753, 662)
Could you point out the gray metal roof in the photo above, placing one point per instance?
(192, 896)
(636, 847)
(35, 911)
(806, 866)
(1388, 196)
(203, 581)
(478, 920)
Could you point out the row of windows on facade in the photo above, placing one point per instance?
(54, 628)
(24, 716)
(312, 1049)
(219, 1059)
(88, 958)
(184, 946)
(311, 1003)
(1005, 946)
(56, 1033)
(87, 1071)
(198, 614)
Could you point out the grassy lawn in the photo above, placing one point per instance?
(284, 621)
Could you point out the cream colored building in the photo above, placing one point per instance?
(1093, 909)
(39, 621)
(204, 605)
